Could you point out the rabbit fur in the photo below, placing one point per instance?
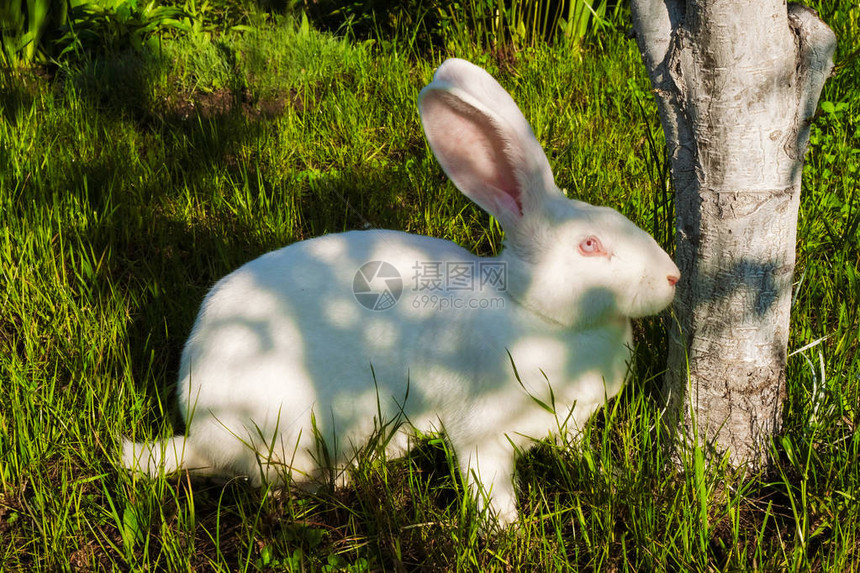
(282, 349)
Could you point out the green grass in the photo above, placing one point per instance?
(129, 184)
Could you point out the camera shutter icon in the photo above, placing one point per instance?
(377, 285)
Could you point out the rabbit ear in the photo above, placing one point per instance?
(484, 143)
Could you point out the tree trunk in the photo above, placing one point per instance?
(736, 83)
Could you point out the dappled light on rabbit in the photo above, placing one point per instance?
(321, 338)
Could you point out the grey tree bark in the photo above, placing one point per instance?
(736, 83)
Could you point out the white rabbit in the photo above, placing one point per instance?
(286, 343)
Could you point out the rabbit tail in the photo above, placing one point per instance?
(166, 456)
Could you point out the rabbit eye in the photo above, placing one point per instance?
(591, 247)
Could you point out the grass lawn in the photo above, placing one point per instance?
(134, 179)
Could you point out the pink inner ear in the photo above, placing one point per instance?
(510, 202)
(475, 155)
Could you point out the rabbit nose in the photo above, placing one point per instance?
(673, 279)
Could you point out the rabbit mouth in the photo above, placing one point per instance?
(640, 306)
